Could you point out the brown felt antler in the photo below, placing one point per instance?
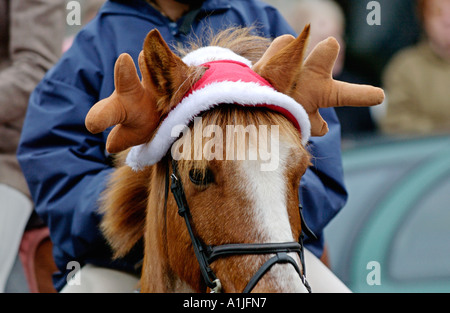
(136, 107)
(310, 82)
(131, 107)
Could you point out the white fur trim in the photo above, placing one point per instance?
(243, 93)
(213, 53)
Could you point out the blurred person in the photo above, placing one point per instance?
(417, 78)
(31, 33)
(67, 167)
(326, 18)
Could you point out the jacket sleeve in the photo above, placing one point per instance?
(66, 167)
(35, 43)
(322, 188)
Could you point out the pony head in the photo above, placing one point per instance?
(272, 101)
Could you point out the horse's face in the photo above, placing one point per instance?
(237, 193)
(251, 200)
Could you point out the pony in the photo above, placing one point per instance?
(212, 218)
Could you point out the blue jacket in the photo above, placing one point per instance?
(66, 167)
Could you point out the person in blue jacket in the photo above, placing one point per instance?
(66, 167)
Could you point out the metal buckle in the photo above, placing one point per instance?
(218, 288)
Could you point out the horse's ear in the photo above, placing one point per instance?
(282, 65)
(311, 82)
(282, 62)
(169, 75)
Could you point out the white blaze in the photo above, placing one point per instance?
(267, 192)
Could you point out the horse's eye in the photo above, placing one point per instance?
(201, 178)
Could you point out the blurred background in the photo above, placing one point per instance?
(394, 233)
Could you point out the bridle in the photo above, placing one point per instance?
(207, 254)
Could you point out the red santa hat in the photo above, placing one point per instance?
(228, 79)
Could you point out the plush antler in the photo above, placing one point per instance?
(131, 107)
(136, 107)
(310, 82)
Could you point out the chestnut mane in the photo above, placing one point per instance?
(240, 40)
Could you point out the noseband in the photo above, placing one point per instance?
(207, 254)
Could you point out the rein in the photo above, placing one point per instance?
(206, 254)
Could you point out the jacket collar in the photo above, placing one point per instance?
(142, 9)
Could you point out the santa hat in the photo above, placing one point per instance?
(228, 79)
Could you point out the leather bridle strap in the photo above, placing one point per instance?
(183, 210)
(280, 249)
(215, 252)
(207, 254)
(280, 257)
